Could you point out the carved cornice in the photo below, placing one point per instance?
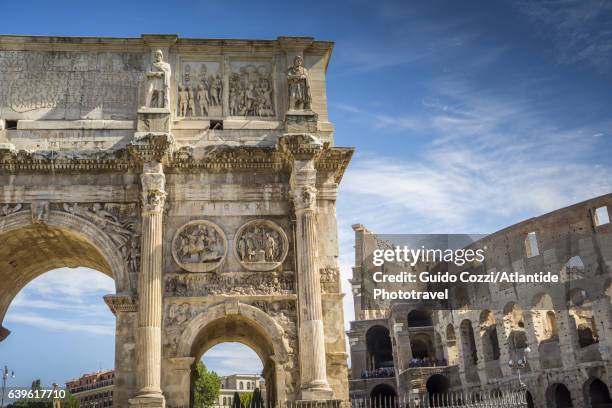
(226, 158)
(121, 303)
(152, 147)
(13, 161)
(300, 146)
(336, 160)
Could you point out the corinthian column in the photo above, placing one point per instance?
(150, 288)
(314, 384)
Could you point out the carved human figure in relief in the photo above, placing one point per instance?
(183, 96)
(199, 245)
(260, 244)
(191, 110)
(158, 82)
(203, 99)
(299, 89)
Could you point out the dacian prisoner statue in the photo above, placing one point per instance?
(158, 82)
(299, 89)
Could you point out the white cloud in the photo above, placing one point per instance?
(581, 29)
(43, 322)
(72, 282)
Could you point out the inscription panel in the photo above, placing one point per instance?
(69, 85)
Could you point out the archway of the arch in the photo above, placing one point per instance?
(35, 241)
(597, 394)
(383, 396)
(229, 322)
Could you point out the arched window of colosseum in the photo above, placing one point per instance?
(378, 343)
(419, 318)
(531, 245)
(514, 325)
(559, 396)
(601, 216)
(572, 270)
(544, 319)
(422, 348)
(468, 343)
(585, 326)
(488, 335)
(452, 349)
(597, 393)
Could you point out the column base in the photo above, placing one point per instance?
(147, 401)
(317, 394)
(316, 403)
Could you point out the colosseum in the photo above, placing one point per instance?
(555, 343)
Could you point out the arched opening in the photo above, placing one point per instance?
(559, 396)
(383, 396)
(597, 394)
(419, 318)
(529, 399)
(468, 342)
(380, 351)
(452, 349)
(572, 270)
(239, 370)
(67, 256)
(514, 325)
(488, 334)
(236, 328)
(583, 317)
(546, 331)
(437, 384)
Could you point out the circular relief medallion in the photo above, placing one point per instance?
(199, 246)
(261, 245)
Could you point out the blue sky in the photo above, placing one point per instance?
(466, 117)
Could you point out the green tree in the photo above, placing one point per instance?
(236, 401)
(206, 387)
(257, 400)
(70, 401)
(245, 399)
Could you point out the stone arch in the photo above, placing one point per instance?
(437, 384)
(514, 325)
(422, 346)
(583, 317)
(488, 334)
(233, 321)
(468, 343)
(379, 348)
(452, 348)
(544, 318)
(596, 393)
(558, 396)
(383, 396)
(62, 240)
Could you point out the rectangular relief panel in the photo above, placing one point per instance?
(69, 85)
(251, 89)
(200, 89)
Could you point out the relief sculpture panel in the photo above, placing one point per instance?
(199, 246)
(69, 85)
(251, 90)
(200, 89)
(261, 245)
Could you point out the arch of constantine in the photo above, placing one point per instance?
(201, 175)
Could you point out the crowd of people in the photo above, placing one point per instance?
(427, 362)
(378, 372)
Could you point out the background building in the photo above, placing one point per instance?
(563, 335)
(240, 383)
(93, 390)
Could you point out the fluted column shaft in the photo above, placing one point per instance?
(150, 287)
(313, 368)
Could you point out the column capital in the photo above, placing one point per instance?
(151, 147)
(118, 303)
(153, 182)
(300, 146)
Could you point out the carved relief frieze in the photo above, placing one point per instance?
(199, 246)
(119, 221)
(330, 280)
(251, 89)
(261, 245)
(225, 158)
(73, 85)
(244, 284)
(8, 209)
(200, 89)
